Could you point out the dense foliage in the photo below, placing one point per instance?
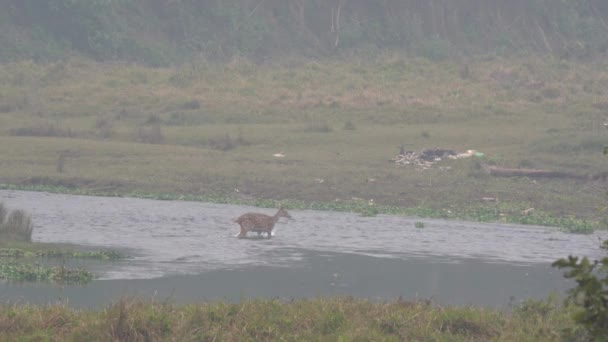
(590, 293)
(161, 32)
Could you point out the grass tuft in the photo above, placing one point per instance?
(15, 225)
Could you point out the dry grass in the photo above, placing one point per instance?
(15, 225)
(273, 320)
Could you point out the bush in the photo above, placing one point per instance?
(349, 125)
(318, 127)
(590, 293)
(15, 225)
(104, 127)
(223, 144)
(42, 130)
(150, 134)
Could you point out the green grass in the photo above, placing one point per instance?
(300, 111)
(60, 253)
(35, 262)
(320, 319)
(33, 272)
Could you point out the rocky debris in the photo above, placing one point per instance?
(424, 159)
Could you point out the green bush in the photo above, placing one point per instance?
(590, 293)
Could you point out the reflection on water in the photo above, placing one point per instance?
(191, 247)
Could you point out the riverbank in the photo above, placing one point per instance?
(322, 132)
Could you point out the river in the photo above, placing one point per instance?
(184, 251)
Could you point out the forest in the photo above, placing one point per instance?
(171, 32)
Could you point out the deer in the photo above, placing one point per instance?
(260, 223)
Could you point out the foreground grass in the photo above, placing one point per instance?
(209, 131)
(321, 319)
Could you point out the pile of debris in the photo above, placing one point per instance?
(426, 158)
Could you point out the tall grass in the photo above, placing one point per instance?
(15, 225)
(319, 319)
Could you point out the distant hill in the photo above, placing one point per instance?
(161, 32)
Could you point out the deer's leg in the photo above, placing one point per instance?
(243, 233)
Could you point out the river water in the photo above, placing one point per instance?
(185, 251)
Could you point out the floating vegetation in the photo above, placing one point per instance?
(17, 271)
(15, 265)
(419, 225)
(61, 253)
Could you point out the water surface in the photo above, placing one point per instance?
(188, 250)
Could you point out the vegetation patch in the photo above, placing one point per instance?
(17, 271)
(325, 319)
(15, 225)
(61, 254)
(17, 250)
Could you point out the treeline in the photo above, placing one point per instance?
(160, 32)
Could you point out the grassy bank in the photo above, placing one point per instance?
(322, 319)
(210, 131)
(24, 260)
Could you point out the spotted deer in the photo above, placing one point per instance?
(260, 223)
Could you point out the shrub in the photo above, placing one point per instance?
(590, 293)
(318, 127)
(191, 105)
(104, 127)
(349, 125)
(15, 225)
(42, 130)
(150, 134)
(224, 143)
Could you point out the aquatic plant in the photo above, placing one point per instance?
(61, 253)
(17, 271)
(419, 225)
(15, 225)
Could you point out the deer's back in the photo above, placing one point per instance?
(254, 220)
